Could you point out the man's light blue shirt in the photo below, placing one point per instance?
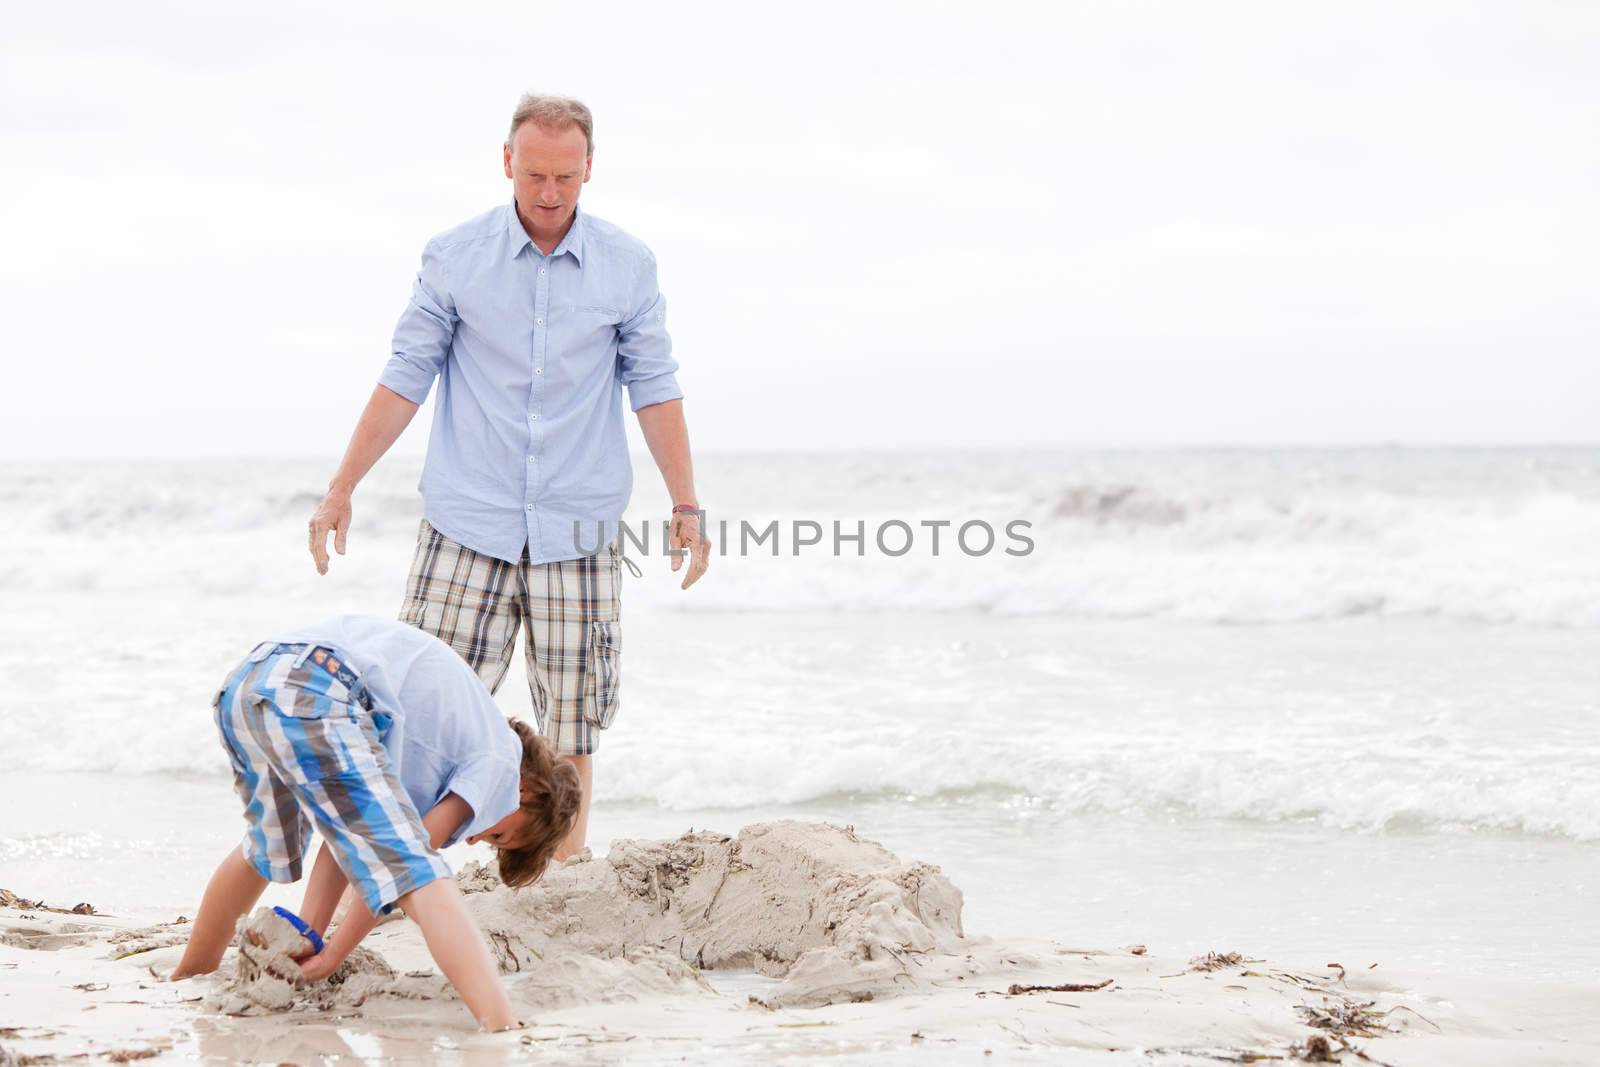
(446, 734)
(531, 352)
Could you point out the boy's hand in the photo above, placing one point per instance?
(313, 964)
(303, 950)
(318, 967)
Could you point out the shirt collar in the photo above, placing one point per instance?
(572, 242)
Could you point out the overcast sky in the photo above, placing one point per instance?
(877, 226)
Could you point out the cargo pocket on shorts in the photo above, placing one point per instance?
(605, 673)
(311, 727)
(310, 689)
(329, 746)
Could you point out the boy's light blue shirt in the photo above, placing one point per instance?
(448, 736)
(531, 352)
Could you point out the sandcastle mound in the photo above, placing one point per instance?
(835, 916)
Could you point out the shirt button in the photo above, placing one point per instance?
(538, 370)
(535, 418)
(541, 270)
(532, 458)
(539, 321)
(530, 507)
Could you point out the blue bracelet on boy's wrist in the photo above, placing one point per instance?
(302, 926)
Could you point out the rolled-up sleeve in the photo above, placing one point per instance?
(422, 336)
(488, 785)
(644, 353)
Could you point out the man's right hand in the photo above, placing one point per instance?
(382, 421)
(333, 515)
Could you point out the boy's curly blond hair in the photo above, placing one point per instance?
(551, 793)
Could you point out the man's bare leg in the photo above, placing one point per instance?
(580, 828)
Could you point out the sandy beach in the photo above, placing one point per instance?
(790, 941)
(1107, 499)
(1211, 734)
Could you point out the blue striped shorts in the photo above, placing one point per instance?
(305, 747)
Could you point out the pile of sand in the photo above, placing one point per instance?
(836, 917)
(267, 978)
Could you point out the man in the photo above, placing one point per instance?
(533, 316)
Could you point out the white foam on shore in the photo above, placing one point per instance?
(941, 679)
(1498, 536)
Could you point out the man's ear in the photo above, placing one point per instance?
(506, 155)
(587, 164)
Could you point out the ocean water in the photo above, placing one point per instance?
(1338, 705)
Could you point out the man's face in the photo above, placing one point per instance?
(547, 169)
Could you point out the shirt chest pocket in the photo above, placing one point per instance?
(586, 340)
(594, 318)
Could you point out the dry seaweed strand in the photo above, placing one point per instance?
(1339, 1017)
(1064, 987)
(1413, 1011)
(1317, 1049)
(1231, 1055)
(1213, 961)
(1341, 1021)
(8, 899)
(1348, 1019)
(1346, 1046)
(1313, 982)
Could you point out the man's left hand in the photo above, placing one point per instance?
(688, 537)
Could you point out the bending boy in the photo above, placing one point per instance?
(355, 726)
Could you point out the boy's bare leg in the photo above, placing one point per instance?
(580, 826)
(458, 947)
(232, 891)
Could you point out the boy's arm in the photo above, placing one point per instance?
(327, 881)
(446, 818)
(443, 820)
(358, 923)
(461, 951)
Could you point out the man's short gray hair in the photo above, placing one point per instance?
(553, 113)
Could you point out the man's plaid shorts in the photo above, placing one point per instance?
(474, 603)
